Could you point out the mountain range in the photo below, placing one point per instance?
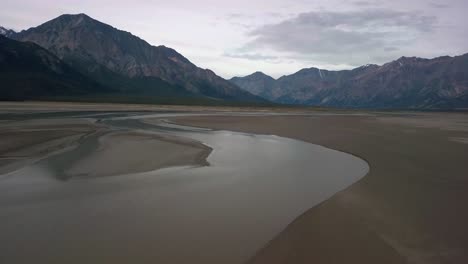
(408, 82)
(75, 57)
(123, 64)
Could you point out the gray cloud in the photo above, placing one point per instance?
(236, 16)
(351, 37)
(249, 21)
(438, 5)
(249, 56)
(391, 49)
(364, 3)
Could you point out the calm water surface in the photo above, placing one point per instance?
(255, 186)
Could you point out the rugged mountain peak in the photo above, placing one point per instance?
(98, 49)
(6, 32)
(257, 83)
(368, 66)
(87, 40)
(409, 60)
(400, 63)
(91, 41)
(310, 70)
(308, 73)
(257, 76)
(75, 19)
(69, 22)
(258, 73)
(306, 70)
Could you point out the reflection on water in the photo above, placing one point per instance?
(254, 187)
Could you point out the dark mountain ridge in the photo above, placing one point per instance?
(257, 83)
(28, 71)
(408, 82)
(6, 32)
(122, 61)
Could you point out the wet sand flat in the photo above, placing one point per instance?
(408, 209)
(26, 141)
(131, 152)
(411, 206)
(220, 213)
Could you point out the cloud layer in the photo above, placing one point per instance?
(353, 37)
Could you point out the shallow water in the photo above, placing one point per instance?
(255, 185)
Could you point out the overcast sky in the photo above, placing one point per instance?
(236, 38)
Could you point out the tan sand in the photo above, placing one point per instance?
(410, 208)
(132, 152)
(443, 121)
(25, 142)
(461, 140)
(34, 106)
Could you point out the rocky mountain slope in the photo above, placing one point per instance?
(28, 71)
(258, 83)
(120, 60)
(6, 32)
(405, 83)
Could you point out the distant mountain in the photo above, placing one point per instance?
(6, 32)
(29, 71)
(405, 83)
(123, 61)
(258, 83)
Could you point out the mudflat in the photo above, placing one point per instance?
(58, 210)
(27, 141)
(410, 208)
(132, 152)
